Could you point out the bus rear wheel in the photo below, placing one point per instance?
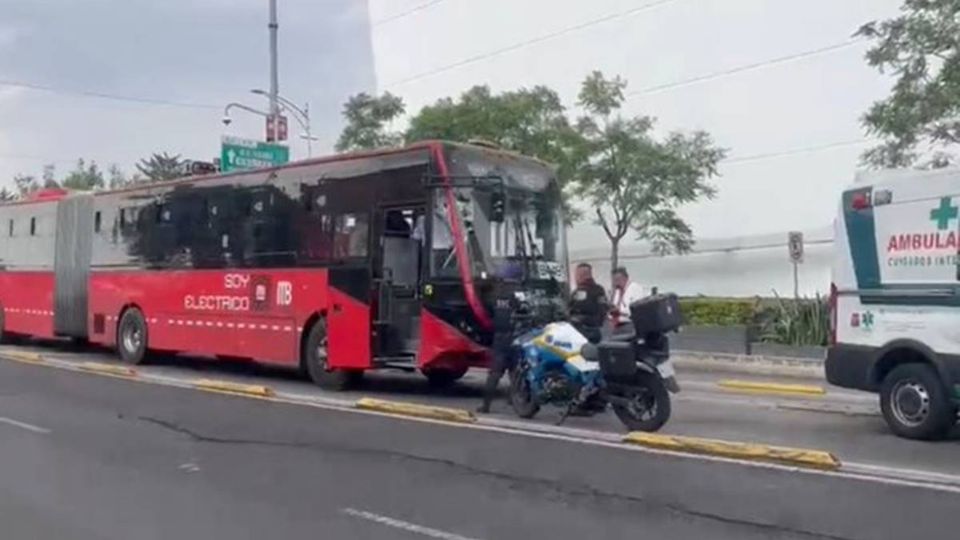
(132, 337)
(317, 366)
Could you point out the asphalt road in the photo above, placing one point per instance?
(91, 457)
(846, 423)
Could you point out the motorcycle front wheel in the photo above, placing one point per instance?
(647, 406)
(522, 400)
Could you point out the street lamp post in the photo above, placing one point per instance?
(273, 27)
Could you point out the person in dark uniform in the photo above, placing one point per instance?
(505, 327)
(588, 304)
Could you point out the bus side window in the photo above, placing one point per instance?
(351, 235)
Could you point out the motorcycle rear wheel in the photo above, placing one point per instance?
(522, 400)
(649, 409)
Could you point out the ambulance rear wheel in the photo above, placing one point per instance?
(132, 337)
(317, 366)
(915, 404)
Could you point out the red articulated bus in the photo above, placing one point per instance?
(336, 265)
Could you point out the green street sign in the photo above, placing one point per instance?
(239, 154)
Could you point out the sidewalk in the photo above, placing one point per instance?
(805, 368)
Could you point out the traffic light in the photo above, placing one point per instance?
(498, 207)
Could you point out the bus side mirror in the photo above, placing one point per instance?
(498, 207)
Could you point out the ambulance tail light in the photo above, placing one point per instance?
(832, 306)
(860, 201)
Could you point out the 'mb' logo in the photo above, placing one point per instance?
(284, 293)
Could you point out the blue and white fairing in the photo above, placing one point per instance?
(558, 345)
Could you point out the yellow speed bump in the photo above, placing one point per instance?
(109, 369)
(227, 387)
(22, 356)
(416, 410)
(757, 387)
(799, 457)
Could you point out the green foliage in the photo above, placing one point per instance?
(633, 181)
(160, 167)
(367, 119)
(796, 322)
(25, 184)
(529, 121)
(920, 47)
(84, 177)
(717, 312)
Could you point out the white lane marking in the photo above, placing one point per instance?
(23, 425)
(403, 525)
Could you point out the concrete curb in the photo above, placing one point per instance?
(749, 364)
(403, 408)
(772, 388)
(108, 369)
(227, 387)
(25, 357)
(799, 457)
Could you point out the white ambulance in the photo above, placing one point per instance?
(896, 297)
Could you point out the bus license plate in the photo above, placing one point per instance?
(666, 369)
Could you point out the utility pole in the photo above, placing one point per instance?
(274, 77)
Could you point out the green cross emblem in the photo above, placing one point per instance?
(944, 213)
(868, 317)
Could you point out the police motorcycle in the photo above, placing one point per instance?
(631, 373)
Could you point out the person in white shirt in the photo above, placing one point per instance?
(443, 263)
(624, 293)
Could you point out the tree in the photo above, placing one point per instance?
(117, 179)
(633, 181)
(531, 121)
(923, 109)
(84, 177)
(25, 184)
(367, 122)
(6, 195)
(160, 167)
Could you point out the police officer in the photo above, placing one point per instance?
(588, 304)
(506, 324)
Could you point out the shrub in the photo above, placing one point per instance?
(717, 312)
(796, 322)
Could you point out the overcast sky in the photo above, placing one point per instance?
(205, 52)
(813, 101)
(210, 52)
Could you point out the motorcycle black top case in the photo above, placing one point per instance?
(659, 313)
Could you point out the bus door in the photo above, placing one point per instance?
(398, 266)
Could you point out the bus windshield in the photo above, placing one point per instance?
(530, 241)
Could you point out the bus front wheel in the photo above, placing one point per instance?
(318, 367)
(132, 337)
(443, 377)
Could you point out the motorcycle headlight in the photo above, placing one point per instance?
(590, 352)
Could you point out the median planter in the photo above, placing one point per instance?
(717, 339)
(788, 351)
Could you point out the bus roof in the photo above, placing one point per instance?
(46, 195)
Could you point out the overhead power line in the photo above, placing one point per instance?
(532, 41)
(794, 151)
(103, 95)
(745, 67)
(411, 11)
